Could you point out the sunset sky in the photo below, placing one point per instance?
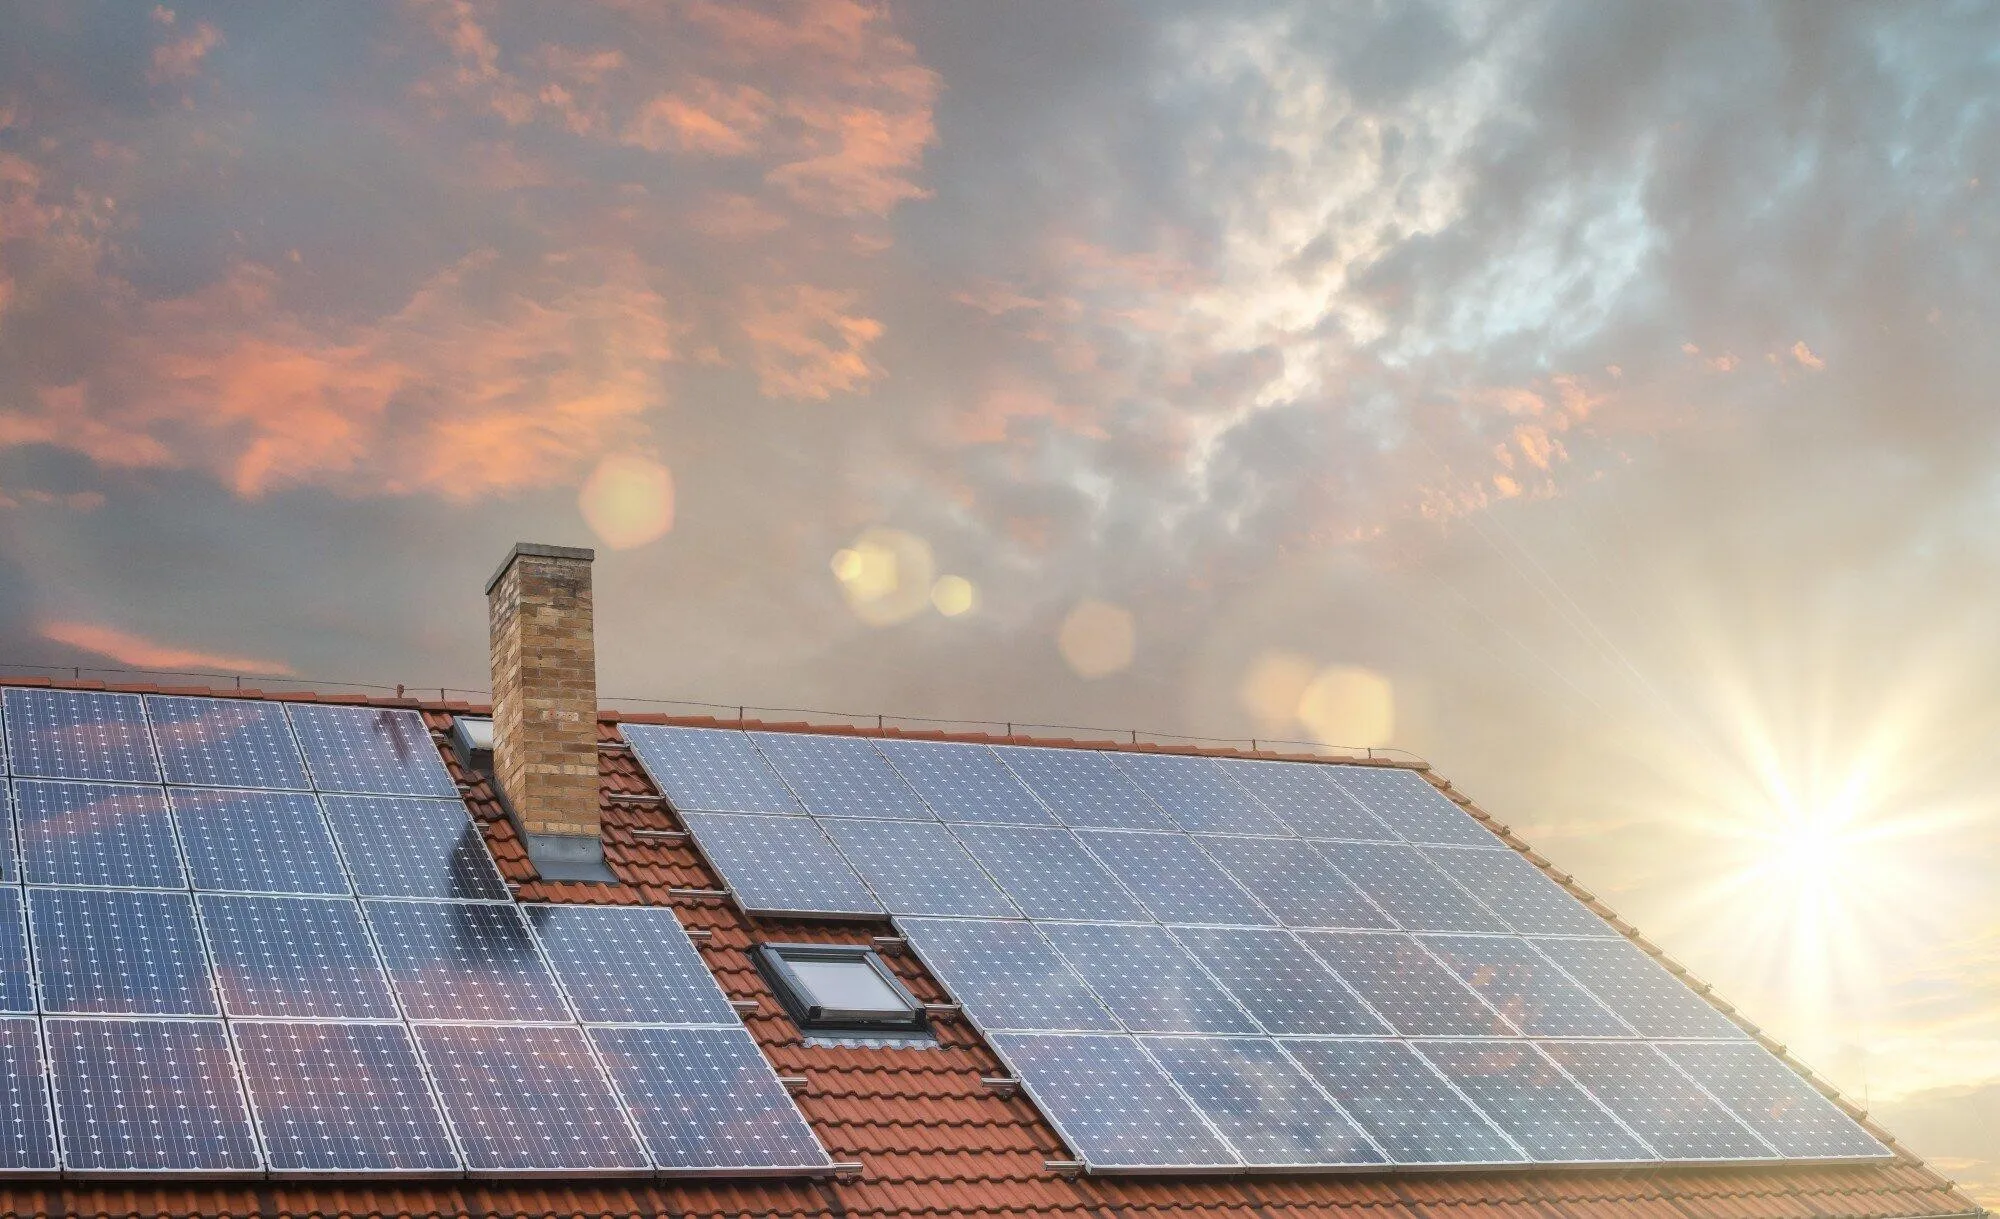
(1601, 400)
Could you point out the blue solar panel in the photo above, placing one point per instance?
(1524, 986)
(840, 776)
(404, 847)
(714, 770)
(464, 961)
(1290, 991)
(155, 1096)
(304, 957)
(1538, 1106)
(780, 864)
(1657, 1101)
(965, 782)
(1405, 802)
(97, 834)
(10, 869)
(1523, 895)
(1269, 1110)
(1409, 988)
(1006, 975)
(706, 1099)
(379, 751)
(1638, 989)
(17, 979)
(1403, 883)
(1403, 1103)
(1111, 1103)
(343, 1098)
(257, 842)
(1771, 1099)
(629, 965)
(1147, 980)
(102, 951)
(1049, 874)
(1084, 789)
(27, 1131)
(524, 1099)
(78, 734)
(917, 869)
(1304, 796)
(1294, 882)
(1174, 879)
(225, 742)
(1198, 794)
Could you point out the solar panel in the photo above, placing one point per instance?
(1198, 794)
(1178, 883)
(78, 734)
(1657, 1101)
(714, 770)
(379, 751)
(1638, 989)
(840, 776)
(97, 834)
(1147, 980)
(1403, 883)
(1006, 975)
(1111, 1103)
(629, 965)
(527, 1099)
(1290, 991)
(1305, 797)
(1525, 987)
(1049, 874)
(1771, 1099)
(1538, 1106)
(1413, 1115)
(10, 870)
(154, 1096)
(301, 957)
(1084, 789)
(256, 842)
(103, 951)
(27, 1132)
(1406, 803)
(1523, 895)
(917, 869)
(1409, 988)
(404, 847)
(1269, 1110)
(780, 865)
(464, 961)
(1294, 882)
(17, 980)
(707, 1099)
(226, 742)
(965, 782)
(343, 1098)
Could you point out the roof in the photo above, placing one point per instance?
(930, 1137)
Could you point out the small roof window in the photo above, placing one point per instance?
(840, 988)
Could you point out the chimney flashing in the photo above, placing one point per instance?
(540, 550)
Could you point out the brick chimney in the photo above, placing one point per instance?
(545, 706)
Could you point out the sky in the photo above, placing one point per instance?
(1594, 399)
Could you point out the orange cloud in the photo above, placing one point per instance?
(181, 58)
(707, 117)
(809, 342)
(1804, 355)
(143, 653)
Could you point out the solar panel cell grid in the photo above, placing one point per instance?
(1284, 986)
(1657, 1101)
(1638, 989)
(379, 751)
(343, 1098)
(1771, 1099)
(78, 734)
(464, 961)
(1404, 1105)
(629, 965)
(297, 957)
(1175, 880)
(1269, 1110)
(780, 864)
(110, 952)
(27, 1130)
(706, 1098)
(1084, 789)
(1150, 983)
(962, 782)
(1306, 798)
(405, 847)
(257, 842)
(219, 742)
(918, 869)
(1199, 795)
(10, 867)
(1006, 975)
(1520, 893)
(17, 979)
(1048, 874)
(156, 1096)
(714, 770)
(1525, 987)
(1294, 881)
(1406, 803)
(1416, 994)
(1405, 885)
(97, 834)
(527, 1099)
(840, 776)
(1112, 1103)
(1538, 1106)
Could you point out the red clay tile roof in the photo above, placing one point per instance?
(931, 1138)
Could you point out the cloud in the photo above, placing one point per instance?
(808, 342)
(182, 57)
(143, 653)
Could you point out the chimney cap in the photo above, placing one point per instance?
(543, 550)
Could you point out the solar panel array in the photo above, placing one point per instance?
(244, 938)
(1200, 964)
